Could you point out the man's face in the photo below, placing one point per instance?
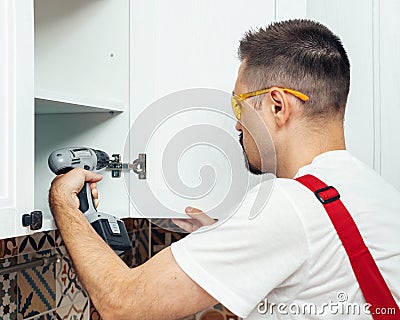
(253, 168)
(254, 135)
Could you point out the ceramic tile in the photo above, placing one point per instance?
(8, 248)
(135, 224)
(215, 313)
(58, 241)
(36, 242)
(129, 224)
(129, 257)
(52, 315)
(94, 314)
(77, 311)
(68, 288)
(210, 315)
(142, 223)
(8, 291)
(166, 224)
(36, 287)
(142, 247)
(218, 312)
(161, 238)
(228, 314)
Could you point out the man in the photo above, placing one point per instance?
(298, 74)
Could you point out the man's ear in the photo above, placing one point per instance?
(280, 106)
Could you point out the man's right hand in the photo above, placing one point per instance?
(198, 219)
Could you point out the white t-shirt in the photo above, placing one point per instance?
(290, 254)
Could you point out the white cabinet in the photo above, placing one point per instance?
(77, 96)
(16, 121)
(100, 64)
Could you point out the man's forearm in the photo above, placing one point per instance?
(98, 267)
(157, 289)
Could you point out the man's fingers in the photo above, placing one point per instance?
(95, 193)
(184, 224)
(90, 176)
(200, 216)
(198, 219)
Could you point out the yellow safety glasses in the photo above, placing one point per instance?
(238, 99)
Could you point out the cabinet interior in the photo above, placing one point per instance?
(81, 89)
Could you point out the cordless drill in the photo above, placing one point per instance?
(110, 228)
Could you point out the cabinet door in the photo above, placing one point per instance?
(388, 67)
(16, 121)
(81, 88)
(186, 45)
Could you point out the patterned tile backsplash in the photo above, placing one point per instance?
(36, 287)
(54, 291)
(8, 248)
(8, 291)
(68, 287)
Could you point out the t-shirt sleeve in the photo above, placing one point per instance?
(242, 259)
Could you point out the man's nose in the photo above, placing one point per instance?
(238, 126)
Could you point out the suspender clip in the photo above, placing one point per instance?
(327, 195)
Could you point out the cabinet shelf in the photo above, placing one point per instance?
(81, 56)
(54, 102)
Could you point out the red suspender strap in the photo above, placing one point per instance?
(372, 284)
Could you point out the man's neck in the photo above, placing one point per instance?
(302, 149)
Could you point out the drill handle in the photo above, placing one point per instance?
(86, 201)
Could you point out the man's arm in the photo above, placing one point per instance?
(158, 289)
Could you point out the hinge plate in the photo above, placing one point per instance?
(138, 166)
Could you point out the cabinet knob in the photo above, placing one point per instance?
(33, 220)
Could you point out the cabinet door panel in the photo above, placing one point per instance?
(16, 122)
(7, 170)
(389, 66)
(186, 45)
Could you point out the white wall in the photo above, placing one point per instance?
(388, 97)
(356, 35)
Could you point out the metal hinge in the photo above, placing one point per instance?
(138, 166)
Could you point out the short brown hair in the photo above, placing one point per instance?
(303, 55)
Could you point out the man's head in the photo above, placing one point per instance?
(298, 54)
